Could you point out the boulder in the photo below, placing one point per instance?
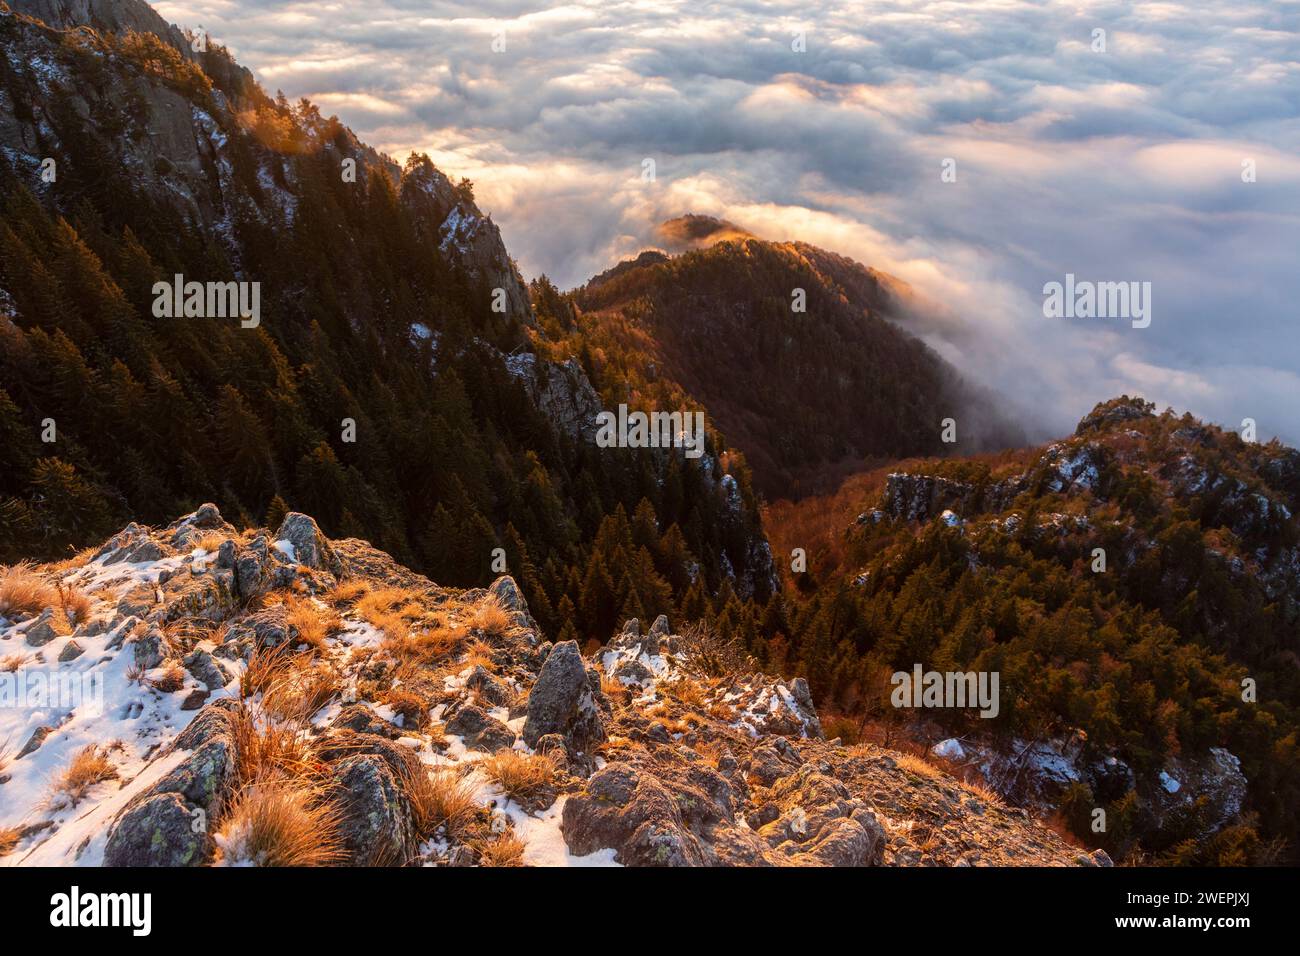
(377, 827)
(158, 831)
(480, 730)
(42, 630)
(301, 541)
(206, 670)
(562, 701)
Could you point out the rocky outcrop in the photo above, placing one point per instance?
(655, 751)
(564, 701)
(561, 392)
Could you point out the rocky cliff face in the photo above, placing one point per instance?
(409, 723)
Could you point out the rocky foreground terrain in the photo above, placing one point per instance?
(279, 698)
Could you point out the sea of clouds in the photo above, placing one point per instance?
(1114, 166)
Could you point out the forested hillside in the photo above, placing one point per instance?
(789, 348)
(1182, 640)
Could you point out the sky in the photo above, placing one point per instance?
(1115, 157)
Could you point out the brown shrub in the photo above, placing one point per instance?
(22, 591)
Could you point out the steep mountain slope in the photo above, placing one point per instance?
(254, 684)
(1135, 586)
(798, 391)
(389, 383)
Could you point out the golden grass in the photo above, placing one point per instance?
(505, 850)
(311, 623)
(347, 592)
(917, 765)
(381, 601)
(687, 692)
(76, 604)
(8, 839)
(438, 799)
(479, 654)
(491, 618)
(614, 689)
(300, 689)
(72, 563)
(12, 662)
(413, 708)
(170, 680)
(210, 542)
(266, 751)
(23, 591)
(265, 666)
(436, 643)
(88, 766)
(280, 823)
(518, 774)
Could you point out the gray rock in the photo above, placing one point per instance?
(377, 828)
(147, 649)
(488, 687)
(310, 547)
(214, 721)
(71, 651)
(562, 702)
(204, 778)
(361, 719)
(206, 670)
(34, 741)
(196, 698)
(41, 631)
(480, 730)
(158, 831)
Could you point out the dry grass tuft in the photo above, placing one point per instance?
(23, 591)
(72, 563)
(435, 644)
(299, 689)
(88, 766)
(311, 623)
(518, 774)
(687, 692)
(347, 592)
(505, 850)
(413, 708)
(479, 654)
(9, 837)
(12, 662)
(75, 603)
(439, 799)
(491, 618)
(280, 823)
(382, 601)
(210, 542)
(614, 689)
(266, 665)
(266, 751)
(170, 680)
(916, 765)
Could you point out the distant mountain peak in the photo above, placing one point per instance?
(694, 231)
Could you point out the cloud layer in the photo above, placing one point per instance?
(1117, 165)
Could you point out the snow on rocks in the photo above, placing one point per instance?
(949, 749)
